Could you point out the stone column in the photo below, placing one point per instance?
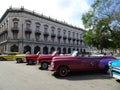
(21, 48)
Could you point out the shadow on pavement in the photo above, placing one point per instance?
(84, 76)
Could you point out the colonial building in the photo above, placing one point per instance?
(23, 30)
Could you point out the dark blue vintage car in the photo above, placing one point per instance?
(114, 68)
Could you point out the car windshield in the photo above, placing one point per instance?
(38, 53)
(74, 53)
(54, 53)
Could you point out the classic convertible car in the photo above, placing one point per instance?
(31, 58)
(114, 68)
(62, 65)
(8, 56)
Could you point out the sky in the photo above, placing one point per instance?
(69, 11)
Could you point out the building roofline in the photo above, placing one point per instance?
(23, 10)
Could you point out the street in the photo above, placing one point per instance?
(24, 77)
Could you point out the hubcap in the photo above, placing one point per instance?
(63, 71)
(44, 65)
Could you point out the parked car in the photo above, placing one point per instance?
(8, 56)
(45, 60)
(64, 64)
(114, 68)
(31, 59)
(20, 58)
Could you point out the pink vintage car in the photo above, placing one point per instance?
(64, 64)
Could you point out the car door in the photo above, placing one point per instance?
(94, 62)
(81, 63)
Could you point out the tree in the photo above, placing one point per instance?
(103, 24)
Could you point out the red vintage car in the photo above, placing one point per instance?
(31, 58)
(45, 60)
(74, 63)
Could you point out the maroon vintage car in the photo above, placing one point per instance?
(74, 63)
(45, 60)
(32, 58)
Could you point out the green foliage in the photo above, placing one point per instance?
(103, 23)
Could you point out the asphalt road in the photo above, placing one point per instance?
(23, 77)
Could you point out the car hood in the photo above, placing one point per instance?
(115, 63)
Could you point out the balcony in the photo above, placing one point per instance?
(59, 36)
(15, 29)
(28, 30)
(37, 32)
(81, 40)
(78, 40)
(69, 38)
(5, 31)
(53, 35)
(46, 34)
(64, 37)
(74, 39)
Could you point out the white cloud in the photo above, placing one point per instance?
(63, 10)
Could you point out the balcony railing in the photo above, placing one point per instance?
(37, 32)
(53, 35)
(15, 29)
(46, 34)
(59, 36)
(28, 30)
(64, 37)
(69, 38)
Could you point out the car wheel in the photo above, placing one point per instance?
(30, 62)
(19, 60)
(44, 65)
(62, 71)
(2, 59)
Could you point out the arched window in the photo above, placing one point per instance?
(14, 48)
(27, 49)
(45, 50)
(36, 49)
(52, 50)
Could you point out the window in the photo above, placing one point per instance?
(27, 35)
(37, 26)
(53, 39)
(15, 24)
(15, 35)
(59, 31)
(53, 31)
(69, 33)
(45, 38)
(37, 37)
(77, 35)
(28, 24)
(64, 32)
(46, 27)
(73, 34)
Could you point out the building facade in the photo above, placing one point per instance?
(23, 30)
